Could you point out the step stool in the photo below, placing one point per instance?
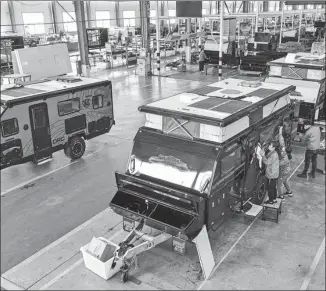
(270, 208)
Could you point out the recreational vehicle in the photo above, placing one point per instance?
(45, 116)
(306, 71)
(195, 162)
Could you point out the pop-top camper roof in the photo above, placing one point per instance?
(46, 88)
(301, 66)
(221, 110)
(303, 60)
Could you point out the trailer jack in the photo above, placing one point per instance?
(125, 253)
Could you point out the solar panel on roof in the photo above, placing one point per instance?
(208, 103)
(19, 92)
(262, 92)
(232, 106)
(204, 90)
(13, 93)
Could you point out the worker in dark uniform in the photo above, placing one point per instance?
(312, 141)
(202, 59)
(120, 38)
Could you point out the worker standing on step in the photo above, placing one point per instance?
(202, 59)
(285, 168)
(311, 139)
(271, 160)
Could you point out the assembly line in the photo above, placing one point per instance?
(204, 169)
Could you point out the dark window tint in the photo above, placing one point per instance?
(39, 118)
(97, 101)
(68, 106)
(9, 127)
(231, 161)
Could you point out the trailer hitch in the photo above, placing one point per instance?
(125, 245)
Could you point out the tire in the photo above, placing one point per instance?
(76, 148)
(259, 192)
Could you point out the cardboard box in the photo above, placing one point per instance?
(100, 249)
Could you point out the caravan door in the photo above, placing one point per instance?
(40, 131)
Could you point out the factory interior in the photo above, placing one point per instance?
(163, 145)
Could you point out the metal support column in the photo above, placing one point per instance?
(199, 26)
(245, 6)
(220, 55)
(188, 27)
(265, 6)
(162, 14)
(88, 13)
(188, 42)
(82, 37)
(144, 23)
(300, 20)
(117, 12)
(265, 9)
(292, 21)
(282, 19)
(53, 10)
(12, 15)
(257, 15)
(158, 37)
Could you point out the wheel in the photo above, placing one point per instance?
(260, 191)
(76, 148)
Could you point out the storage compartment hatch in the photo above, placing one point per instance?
(160, 209)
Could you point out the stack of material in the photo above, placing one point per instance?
(272, 55)
(318, 48)
(254, 63)
(293, 47)
(174, 64)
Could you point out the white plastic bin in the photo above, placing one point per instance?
(102, 269)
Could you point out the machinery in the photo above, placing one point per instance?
(193, 163)
(52, 114)
(261, 50)
(307, 72)
(8, 43)
(263, 41)
(212, 47)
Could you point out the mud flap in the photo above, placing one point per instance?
(205, 253)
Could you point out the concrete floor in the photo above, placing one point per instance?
(40, 205)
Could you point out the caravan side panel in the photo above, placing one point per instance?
(85, 112)
(15, 148)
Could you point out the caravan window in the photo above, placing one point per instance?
(231, 161)
(68, 106)
(97, 101)
(9, 127)
(39, 118)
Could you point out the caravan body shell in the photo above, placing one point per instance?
(194, 148)
(43, 117)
